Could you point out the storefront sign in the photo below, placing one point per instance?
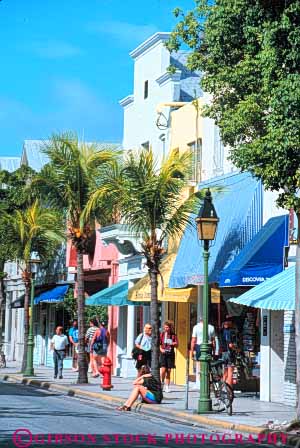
(265, 326)
(215, 295)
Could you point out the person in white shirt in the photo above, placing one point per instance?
(144, 343)
(197, 338)
(59, 344)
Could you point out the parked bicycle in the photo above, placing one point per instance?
(223, 395)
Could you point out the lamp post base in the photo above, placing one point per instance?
(28, 372)
(204, 406)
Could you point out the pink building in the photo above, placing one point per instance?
(100, 272)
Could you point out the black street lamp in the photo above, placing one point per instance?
(207, 222)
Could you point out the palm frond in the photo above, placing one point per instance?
(36, 229)
(72, 174)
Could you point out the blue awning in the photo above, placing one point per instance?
(56, 294)
(277, 293)
(116, 294)
(239, 207)
(261, 258)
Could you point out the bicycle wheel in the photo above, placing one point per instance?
(227, 397)
(218, 404)
(224, 397)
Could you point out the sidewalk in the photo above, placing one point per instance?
(248, 410)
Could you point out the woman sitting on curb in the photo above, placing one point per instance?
(147, 387)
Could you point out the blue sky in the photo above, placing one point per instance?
(65, 64)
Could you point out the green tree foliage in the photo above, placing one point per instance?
(70, 307)
(34, 229)
(67, 181)
(248, 52)
(13, 196)
(148, 198)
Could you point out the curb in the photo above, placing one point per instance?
(291, 440)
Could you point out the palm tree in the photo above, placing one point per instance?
(150, 201)
(67, 180)
(35, 229)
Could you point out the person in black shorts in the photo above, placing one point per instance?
(168, 342)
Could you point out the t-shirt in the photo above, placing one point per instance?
(144, 341)
(198, 332)
(73, 332)
(90, 333)
(167, 340)
(59, 341)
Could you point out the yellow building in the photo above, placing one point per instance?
(186, 134)
(179, 305)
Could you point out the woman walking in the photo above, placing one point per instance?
(168, 342)
(88, 339)
(99, 344)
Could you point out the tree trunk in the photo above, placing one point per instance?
(82, 360)
(26, 323)
(2, 302)
(297, 316)
(155, 324)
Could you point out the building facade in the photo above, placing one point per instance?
(147, 124)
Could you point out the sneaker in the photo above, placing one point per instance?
(167, 389)
(55, 376)
(60, 377)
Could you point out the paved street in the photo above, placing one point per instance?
(63, 421)
(247, 408)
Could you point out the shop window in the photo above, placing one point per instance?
(196, 149)
(146, 89)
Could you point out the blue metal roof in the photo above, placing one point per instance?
(277, 293)
(190, 80)
(10, 164)
(239, 207)
(33, 155)
(261, 258)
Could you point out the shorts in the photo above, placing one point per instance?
(198, 351)
(227, 358)
(167, 360)
(150, 398)
(100, 353)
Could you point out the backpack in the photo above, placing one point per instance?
(137, 353)
(101, 342)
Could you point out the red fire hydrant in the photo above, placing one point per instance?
(105, 370)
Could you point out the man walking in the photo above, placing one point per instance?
(197, 340)
(73, 336)
(59, 344)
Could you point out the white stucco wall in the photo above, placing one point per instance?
(140, 114)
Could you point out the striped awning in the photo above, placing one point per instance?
(276, 293)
